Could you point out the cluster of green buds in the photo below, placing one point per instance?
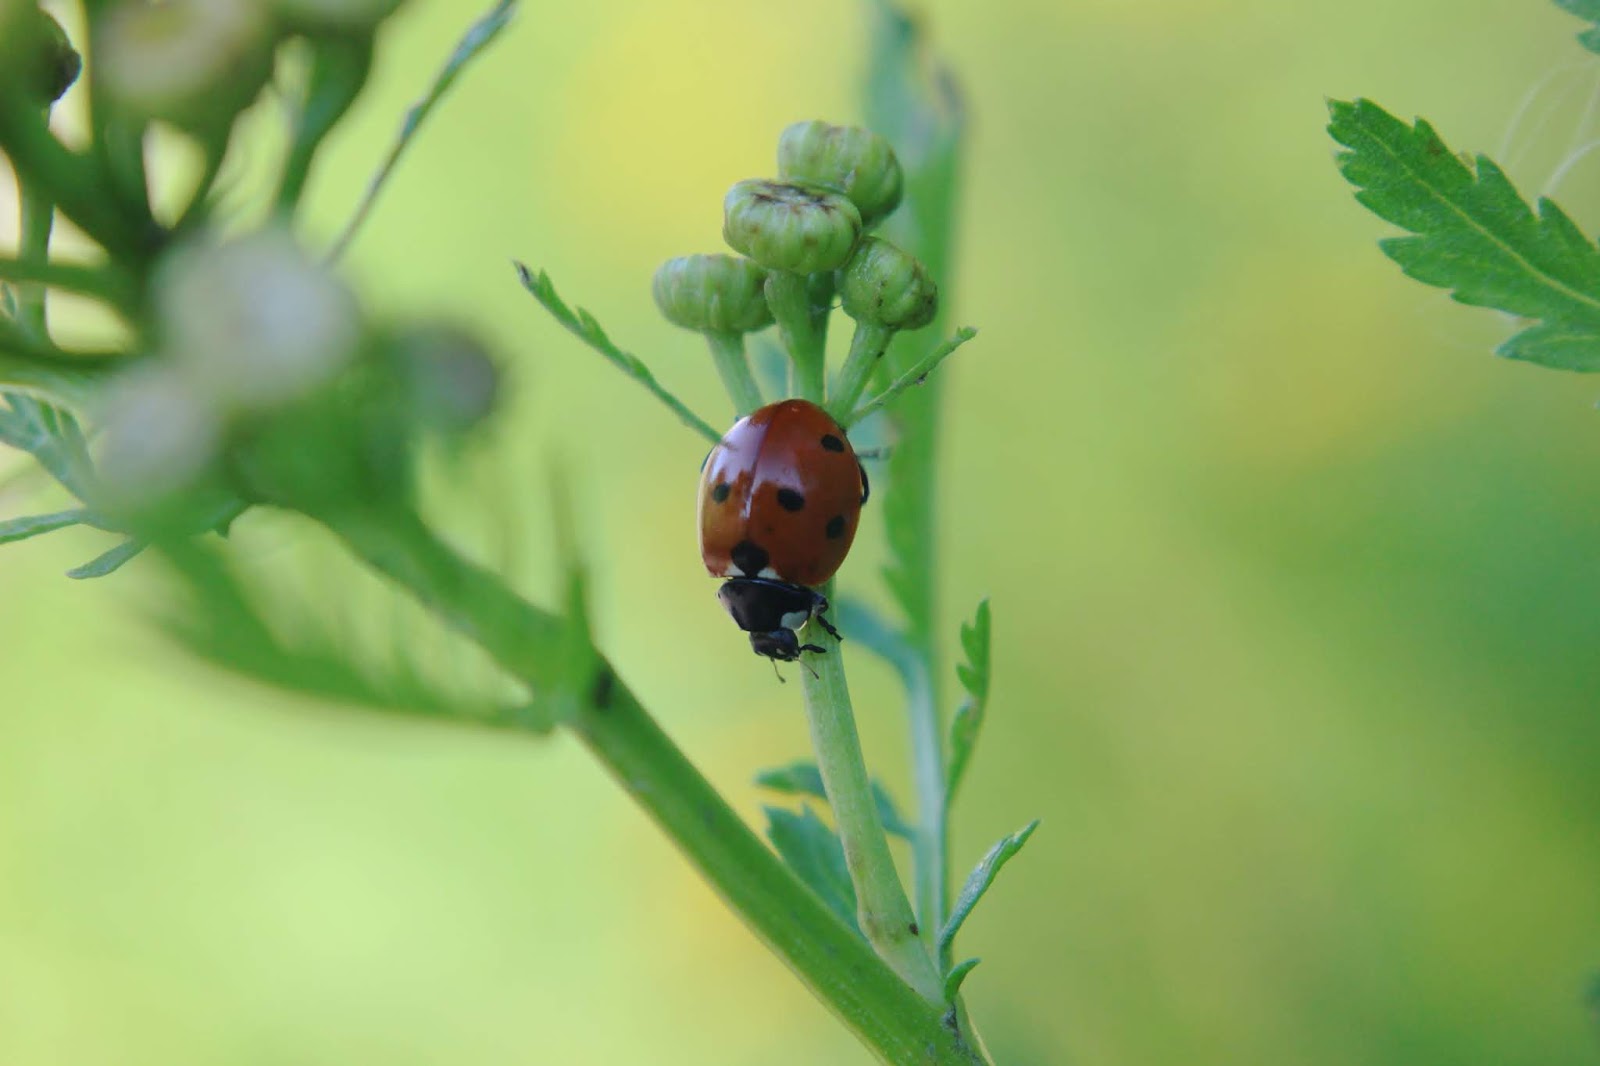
(803, 240)
(254, 373)
(193, 64)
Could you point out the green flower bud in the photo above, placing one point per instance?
(800, 229)
(194, 63)
(45, 63)
(712, 294)
(451, 381)
(335, 15)
(886, 286)
(855, 161)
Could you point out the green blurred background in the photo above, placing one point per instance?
(1296, 588)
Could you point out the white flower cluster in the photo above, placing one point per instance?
(244, 327)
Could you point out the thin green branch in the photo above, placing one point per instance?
(733, 367)
(583, 325)
(882, 910)
(104, 283)
(915, 376)
(485, 30)
(339, 69)
(37, 215)
(802, 332)
(867, 346)
(38, 368)
(898, 1024)
(73, 181)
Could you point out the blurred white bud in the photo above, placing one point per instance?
(335, 14)
(159, 434)
(194, 63)
(254, 322)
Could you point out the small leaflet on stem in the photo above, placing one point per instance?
(974, 676)
(584, 326)
(980, 879)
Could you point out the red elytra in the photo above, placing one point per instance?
(781, 496)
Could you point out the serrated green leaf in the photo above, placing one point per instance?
(224, 620)
(1558, 346)
(584, 326)
(974, 676)
(16, 529)
(1474, 234)
(957, 975)
(109, 561)
(477, 38)
(803, 778)
(979, 880)
(52, 436)
(1589, 10)
(813, 851)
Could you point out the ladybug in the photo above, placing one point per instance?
(780, 498)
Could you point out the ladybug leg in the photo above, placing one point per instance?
(815, 648)
(866, 486)
(826, 625)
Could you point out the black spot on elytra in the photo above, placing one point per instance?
(835, 528)
(790, 500)
(749, 557)
(832, 443)
(720, 493)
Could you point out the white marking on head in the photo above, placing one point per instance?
(768, 572)
(795, 619)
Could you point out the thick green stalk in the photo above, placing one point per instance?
(890, 1018)
(867, 346)
(803, 334)
(882, 910)
(733, 366)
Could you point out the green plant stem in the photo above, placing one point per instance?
(339, 69)
(916, 375)
(867, 346)
(103, 283)
(882, 910)
(790, 300)
(37, 216)
(73, 182)
(733, 366)
(896, 1023)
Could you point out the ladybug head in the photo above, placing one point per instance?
(780, 645)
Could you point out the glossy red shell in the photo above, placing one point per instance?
(781, 493)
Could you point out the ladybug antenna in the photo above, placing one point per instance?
(778, 673)
(808, 666)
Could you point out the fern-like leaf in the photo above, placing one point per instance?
(1474, 234)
